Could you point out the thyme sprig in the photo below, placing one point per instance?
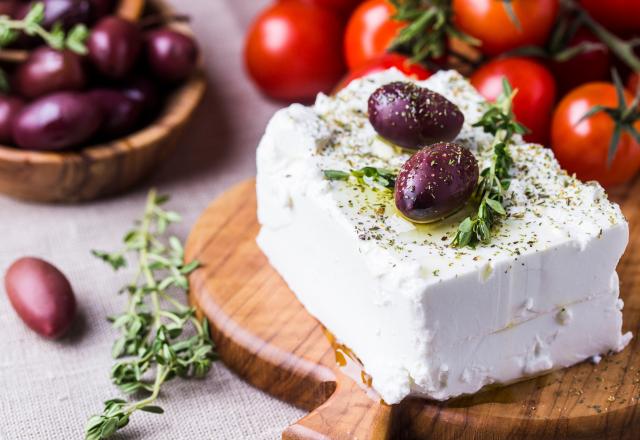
(31, 25)
(161, 338)
(495, 179)
(429, 26)
(380, 178)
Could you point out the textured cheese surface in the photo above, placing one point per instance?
(426, 318)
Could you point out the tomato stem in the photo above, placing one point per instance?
(621, 48)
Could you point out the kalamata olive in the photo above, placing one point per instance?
(41, 295)
(144, 92)
(120, 114)
(114, 46)
(435, 182)
(66, 12)
(48, 70)
(171, 55)
(8, 7)
(413, 116)
(58, 121)
(100, 8)
(10, 106)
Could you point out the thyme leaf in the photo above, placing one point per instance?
(160, 337)
(429, 26)
(369, 176)
(494, 180)
(31, 25)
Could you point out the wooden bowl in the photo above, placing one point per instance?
(129, 9)
(101, 170)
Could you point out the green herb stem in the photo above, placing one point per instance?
(625, 50)
(31, 25)
(376, 178)
(429, 26)
(153, 337)
(494, 180)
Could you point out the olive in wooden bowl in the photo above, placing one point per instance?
(64, 152)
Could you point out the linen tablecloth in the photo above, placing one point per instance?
(49, 388)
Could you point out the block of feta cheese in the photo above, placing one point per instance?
(425, 318)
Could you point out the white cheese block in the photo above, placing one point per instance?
(425, 318)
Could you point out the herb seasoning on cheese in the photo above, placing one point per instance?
(436, 320)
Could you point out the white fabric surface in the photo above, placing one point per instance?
(48, 389)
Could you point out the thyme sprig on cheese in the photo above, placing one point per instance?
(495, 179)
(370, 176)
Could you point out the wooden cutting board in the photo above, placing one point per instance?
(266, 336)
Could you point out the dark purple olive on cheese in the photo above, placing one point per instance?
(436, 182)
(413, 116)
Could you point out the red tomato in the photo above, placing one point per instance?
(342, 6)
(536, 95)
(594, 65)
(489, 22)
(384, 62)
(582, 147)
(292, 51)
(618, 15)
(370, 32)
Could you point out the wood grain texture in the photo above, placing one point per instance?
(110, 168)
(267, 337)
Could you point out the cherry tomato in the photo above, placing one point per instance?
(536, 95)
(489, 22)
(582, 146)
(384, 62)
(618, 15)
(292, 51)
(593, 65)
(344, 7)
(370, 32)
